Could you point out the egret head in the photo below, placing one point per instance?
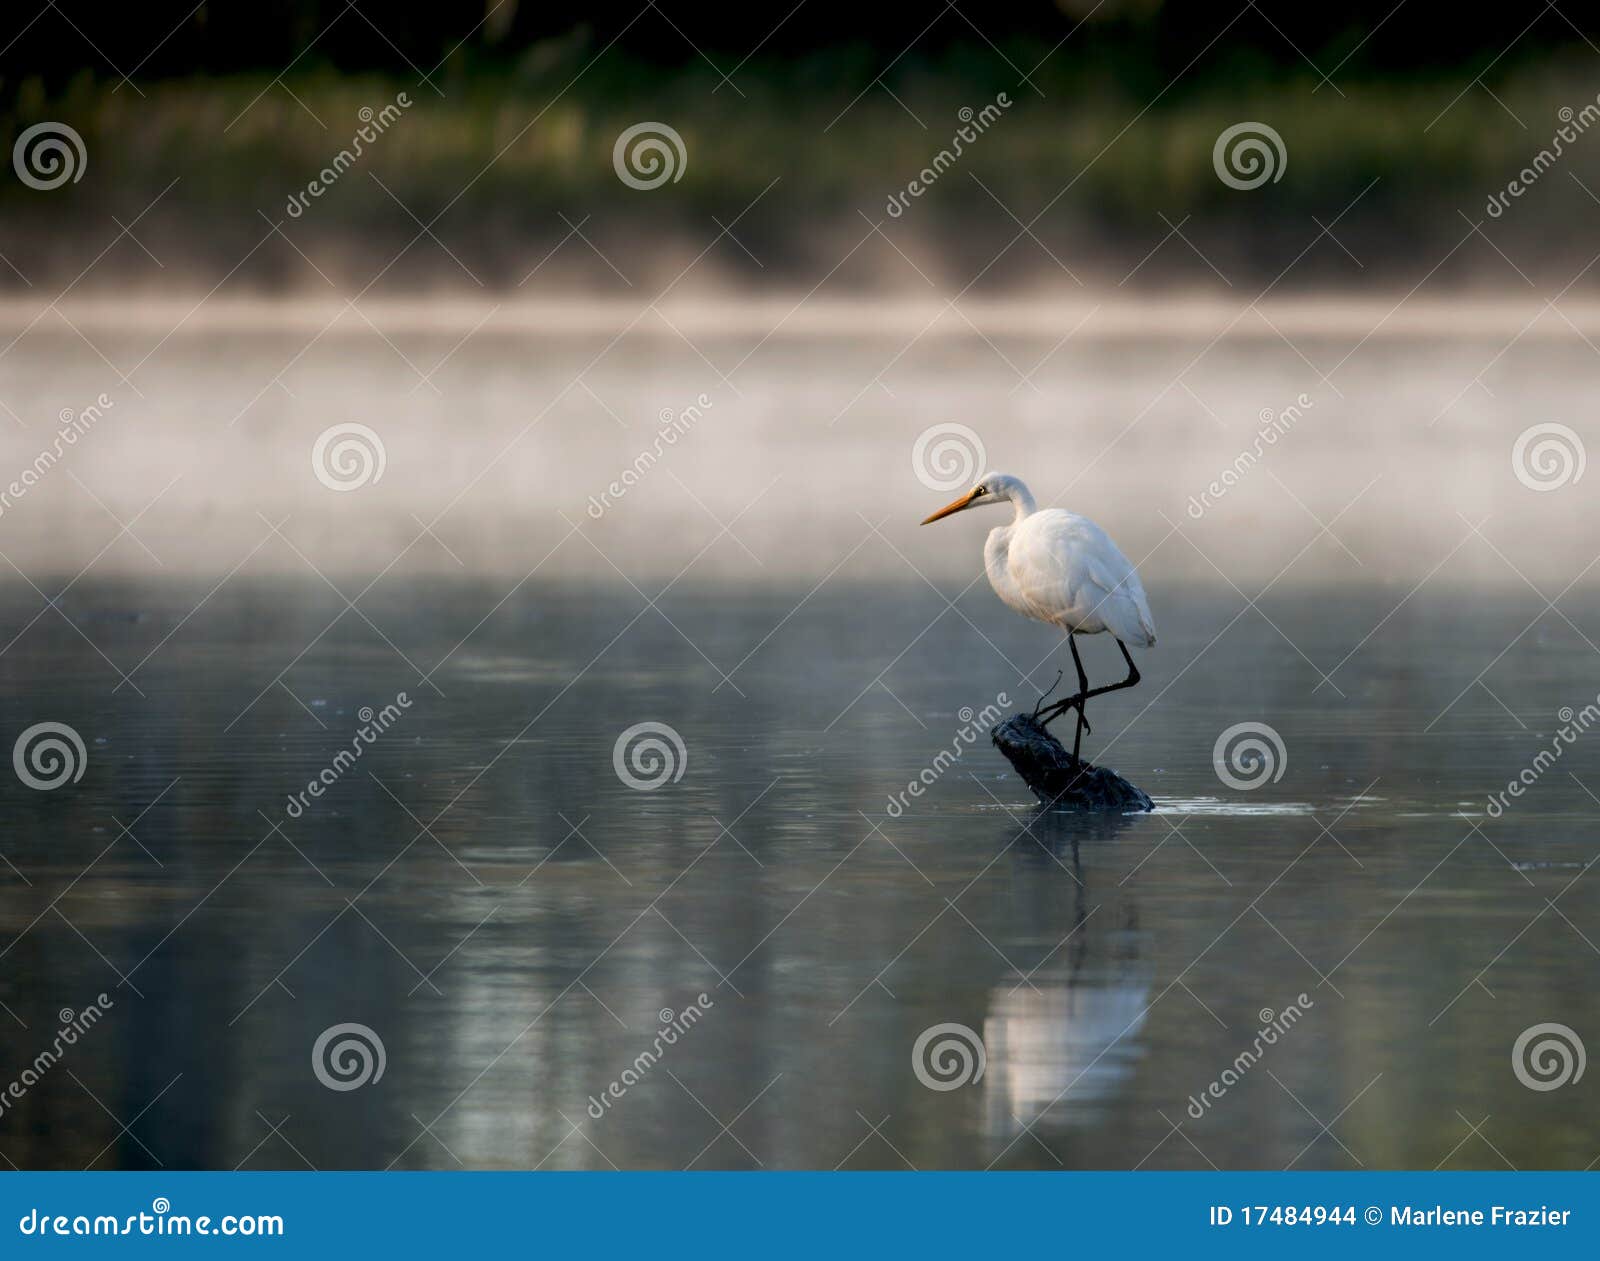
(995, 488)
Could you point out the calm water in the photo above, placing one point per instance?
(484, 893)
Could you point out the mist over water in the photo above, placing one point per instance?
(502, 430)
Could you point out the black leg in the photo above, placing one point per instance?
(1083, 691)
(1131, 681)
(1076, 702)
(1070, 702)
(1061, 707)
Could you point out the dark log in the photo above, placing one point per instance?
(1058, 780)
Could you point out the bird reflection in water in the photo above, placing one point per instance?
(1063, 1035)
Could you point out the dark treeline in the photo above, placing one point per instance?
(235, 106)
(159, 39)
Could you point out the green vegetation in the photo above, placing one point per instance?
(509, 154)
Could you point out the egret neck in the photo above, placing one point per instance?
(1019, 495)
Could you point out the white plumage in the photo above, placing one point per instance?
(1055, 566)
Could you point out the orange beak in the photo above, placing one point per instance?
(957, 506)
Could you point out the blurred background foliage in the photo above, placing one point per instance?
(1414, 112)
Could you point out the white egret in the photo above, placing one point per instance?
(1057, 567)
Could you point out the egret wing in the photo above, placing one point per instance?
(1071, 574)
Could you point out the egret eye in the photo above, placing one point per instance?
(979, 491)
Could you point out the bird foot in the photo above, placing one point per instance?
(1049, 715)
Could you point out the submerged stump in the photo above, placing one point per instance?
(1059, 780)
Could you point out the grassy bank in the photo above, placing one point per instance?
(513, 160)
